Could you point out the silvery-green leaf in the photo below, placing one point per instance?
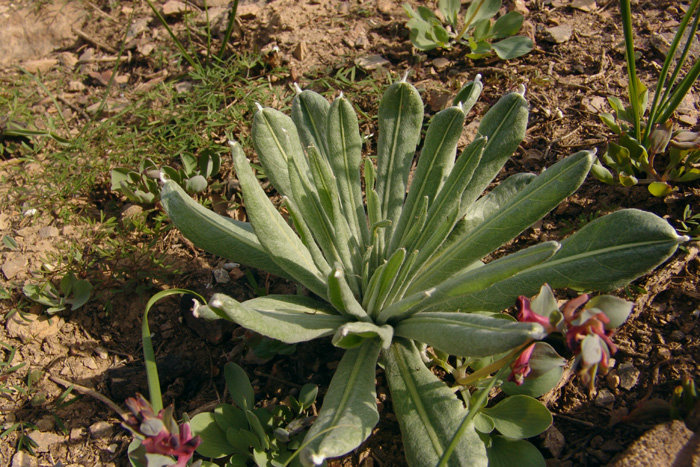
(277, 237)
(287, 318)
(309, 114)
(239, 387)
(615, 308)
(467, 334)
(434, 164)
(547, 368)
(342, 298)
(307, 237)
(469, 94)
(544, 303)
(400, 120)
(345, 155)
(530, 204)
(480, 10)
(447, 295)
(196, 184)
(608, 252)
(219, 235)
(349, 410)
(276, 140)
(381, 282)
(353, 334)
(504, 125)
(429, 412)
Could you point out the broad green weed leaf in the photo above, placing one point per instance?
(519, 417)
(507, 25)
(505, 452)
(214, 443)
(239, 386)
(512, 47)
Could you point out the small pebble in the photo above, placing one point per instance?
(101, 429)
(664, 353)
(677, 335)
(613, 380)
(629, 375)
(221, 276)
(23, 459)
(604, 398)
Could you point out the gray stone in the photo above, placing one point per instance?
(559, 34)
(101, 429)
(23, 459)
(629, 375)
(670, 443)
(554, 441)
(44, 439)
(29, 326)
(48, 232)
(220, 275)
(371, 62)
(604, 398)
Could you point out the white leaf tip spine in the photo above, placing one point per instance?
(405, 77)
(521, 90)
(338, 274)
(297, 89)
(259, 107)
(683, 238)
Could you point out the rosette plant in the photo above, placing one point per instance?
(402, 266)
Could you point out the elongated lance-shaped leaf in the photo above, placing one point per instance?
(275, 235)
(219, 235)
(275, 139)
(400, 120)
(504, 125)
(307, 237)
(443, 213)
(486, 206)
(467, 334)
(469, 94)
(287, 318)
(342, 298)
(401, 283)
(354, 333)
(349, 410)
(374, 215)
(319, 221)
(310, 114)
(441, 297)
(381, 281)
(495, 200)
(345, 155)
(532, 203)
(607, 253)
(434, 164)
(429, 412)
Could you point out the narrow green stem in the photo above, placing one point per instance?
(172, 35)
(469, 21)
(476, 404)
(632, 88)
(229, 28)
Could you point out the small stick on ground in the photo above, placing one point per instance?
(574, 420)
(92, 393)
(94, 42)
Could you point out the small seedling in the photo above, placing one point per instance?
(71, 291)
(479, 31)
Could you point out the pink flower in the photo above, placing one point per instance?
(161, 434)
(526, 315)
(521, 366)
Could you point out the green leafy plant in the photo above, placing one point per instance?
(403, 267)
(70, 291)
(142, 187)
(652, 147)
(479, 31)
(240, 432)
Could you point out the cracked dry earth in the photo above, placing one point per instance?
(577, 62)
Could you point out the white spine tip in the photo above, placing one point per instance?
(216, 304)
(341, 96)
(338, 274)
(521, 90)
(232, 143)
(162, 177)
(683, 238)
(477, 77)
(260, 107)
(460, 106)
(297, 89)
(405, 77)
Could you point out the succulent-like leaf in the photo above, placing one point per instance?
(467, 334)
(342, 298)
(280, 241)
(349, 410)
(520, 416)
(288, 318)
(469, 94)
(429, 412)
(219, 235)
(353, 334)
